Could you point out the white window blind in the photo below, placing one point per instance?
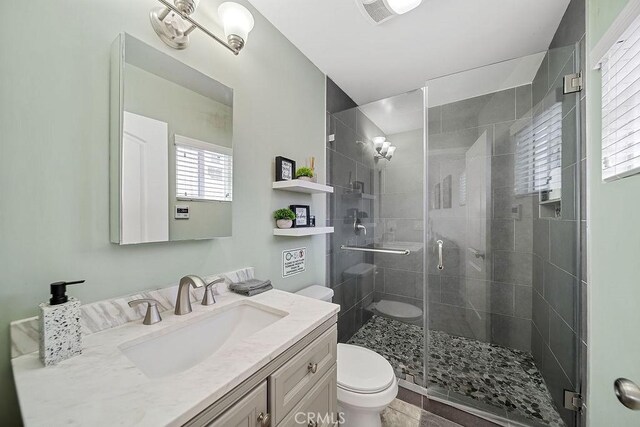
(203, 171)
(621, 106)
(538, 157)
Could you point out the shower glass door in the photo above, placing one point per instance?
(376, 166)
(502, 252)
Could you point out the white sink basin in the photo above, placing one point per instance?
(180, 347)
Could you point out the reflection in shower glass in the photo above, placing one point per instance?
(486, 190)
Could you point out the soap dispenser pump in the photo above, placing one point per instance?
(60, 332)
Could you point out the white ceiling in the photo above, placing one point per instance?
(440, 37)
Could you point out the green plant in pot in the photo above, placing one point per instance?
(305, 174)
(284, 217)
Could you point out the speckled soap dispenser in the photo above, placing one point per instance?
(60, 333)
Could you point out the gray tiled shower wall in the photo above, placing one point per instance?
(487, 298)
(555, 277)
(399, 216)
(348, 161)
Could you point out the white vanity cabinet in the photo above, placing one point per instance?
(297, 388)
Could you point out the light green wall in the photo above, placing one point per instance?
(614, 248)
(190, 114)
(54, 119)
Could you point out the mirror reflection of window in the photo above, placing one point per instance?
(203, 170)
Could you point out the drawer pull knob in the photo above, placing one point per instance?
(313, 424)
(313, 368)
(264, 419)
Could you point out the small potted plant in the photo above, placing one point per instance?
(304, 174)
(284, 217)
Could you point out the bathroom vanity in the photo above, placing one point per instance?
(255, 361)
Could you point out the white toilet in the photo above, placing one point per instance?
(366, 381)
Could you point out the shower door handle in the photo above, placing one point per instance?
(440, 264)
(628, 393)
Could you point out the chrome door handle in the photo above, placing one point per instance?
(440, 265)
(628, 393)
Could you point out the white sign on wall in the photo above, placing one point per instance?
(293, 261)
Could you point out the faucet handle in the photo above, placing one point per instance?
(208, 298)
(153, 315)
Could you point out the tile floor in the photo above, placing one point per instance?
(402, 414)
(499, 378)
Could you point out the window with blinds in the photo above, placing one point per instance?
(203, 171)
(538, 155)
(621, 106)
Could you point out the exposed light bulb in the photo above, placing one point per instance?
(402, 6)
(237, 22)
(378, 141)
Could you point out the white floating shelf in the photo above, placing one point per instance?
(304, 231)
(300, 186)
(357, 196)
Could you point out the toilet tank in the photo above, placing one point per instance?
(317, 292)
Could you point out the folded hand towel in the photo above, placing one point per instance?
(249, 285)
(255, 291)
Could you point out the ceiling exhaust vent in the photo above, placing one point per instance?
(377, 11)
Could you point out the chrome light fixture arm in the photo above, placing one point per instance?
(179, 39)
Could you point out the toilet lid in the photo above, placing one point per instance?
(363, 371)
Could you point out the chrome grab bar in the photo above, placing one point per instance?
(376, 250)
(440, 265)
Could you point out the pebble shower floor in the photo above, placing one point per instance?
(497, 376)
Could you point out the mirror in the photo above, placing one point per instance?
(171, 148)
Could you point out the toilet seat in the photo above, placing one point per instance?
(363, 371)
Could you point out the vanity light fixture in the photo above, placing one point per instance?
(390, 152)
(378, 141)
(173, 23)
(384, 149)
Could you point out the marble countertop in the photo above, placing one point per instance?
(103, 387)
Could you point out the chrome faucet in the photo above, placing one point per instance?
(183, 301)
(208, 298)
(152, 315)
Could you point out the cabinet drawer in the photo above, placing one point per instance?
(289, 384)
(249, 411)
(319, 408)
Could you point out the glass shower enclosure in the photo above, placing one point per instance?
(456, 252)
